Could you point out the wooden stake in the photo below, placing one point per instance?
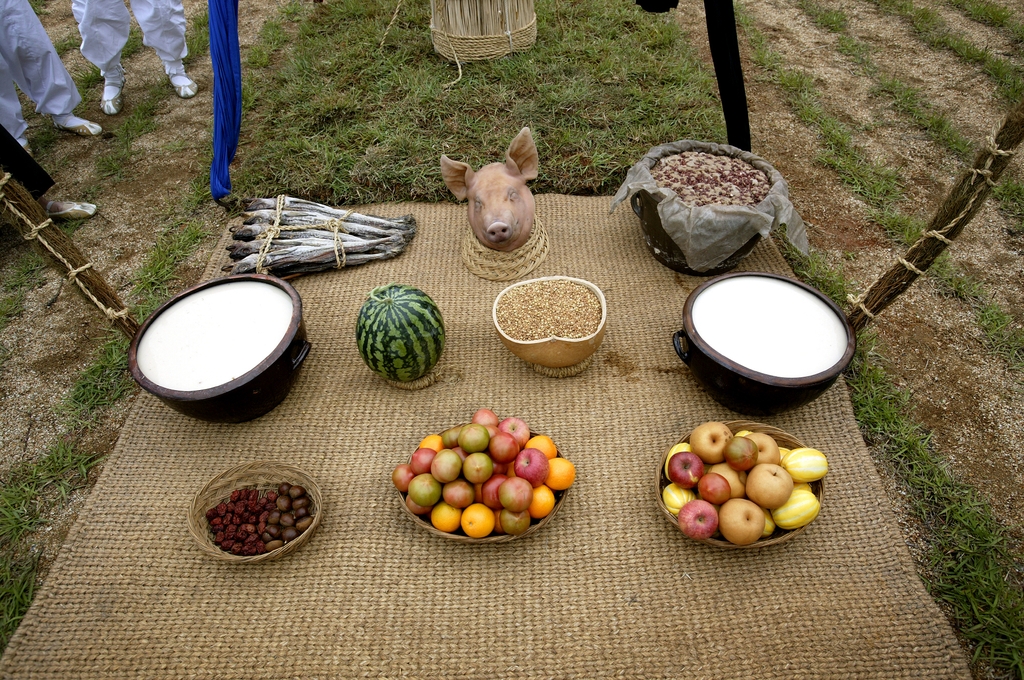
(957, 210)
(29, 218)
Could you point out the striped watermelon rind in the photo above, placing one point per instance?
(400, 332)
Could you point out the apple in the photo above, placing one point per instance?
(401, 477)
(769, 485)
(514, 523)
(462, 454)
(478, 493)
(485, 416)
(474, 438)
(532, 465)
(450, 437)
(446, 466)
(458, 494)
(424, 490)
(698, 519)
(478, 467)
(517, 428)
(737, 479)
(741, 521)
(498, 529)
(489, 491)
(708, 441)
(714, 488)
(417, 509)
(503, 447)
(767, 449)
(421, 460)
(515, 494)
(741, 453)
(685, 469)
(499, 468)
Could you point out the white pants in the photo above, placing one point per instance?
(104, 27)
(27, 57)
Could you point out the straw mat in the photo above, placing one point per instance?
(606, 589)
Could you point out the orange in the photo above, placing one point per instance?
(561, 474)
(497, 522)
(543, 443)
(432, 441)
(478, 520)
(543, 502)
(445, 517)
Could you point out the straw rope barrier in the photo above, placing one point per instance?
(29, 218)
(564, 371)
(957, 210)
(496, 265)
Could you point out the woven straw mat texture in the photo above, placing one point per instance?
(606, 589)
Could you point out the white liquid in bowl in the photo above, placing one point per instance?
(770, 326)
(215, 335)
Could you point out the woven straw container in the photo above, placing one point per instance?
(784, 440)
(260, 475)
(475, 30)
(423, 521)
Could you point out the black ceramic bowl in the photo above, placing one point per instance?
(665, 250)
(191, 358)
(762, 343)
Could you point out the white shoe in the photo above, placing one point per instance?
(182, 84)
(80, 126)
(113, 83)
(68, 210)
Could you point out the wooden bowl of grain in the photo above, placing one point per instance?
(552, 321)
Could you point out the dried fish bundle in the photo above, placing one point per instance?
(287, 235)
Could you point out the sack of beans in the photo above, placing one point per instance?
(712, 200)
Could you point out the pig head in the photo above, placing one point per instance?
(501, 206)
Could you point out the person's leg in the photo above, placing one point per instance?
(104, 26)
(36, 67)
(12, 120)
(163, 29)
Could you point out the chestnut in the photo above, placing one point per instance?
(274, 517)
(284, 503)
(302, 502)
(274, 531)
(296, 491)
(304, 523)
(284, 488)
(273, 545)
(289, 534)
(287, 520)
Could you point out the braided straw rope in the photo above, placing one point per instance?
(495, 265)
(957, 210)
(62, 250)
(459, 48)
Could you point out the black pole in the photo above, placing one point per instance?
(725, 53)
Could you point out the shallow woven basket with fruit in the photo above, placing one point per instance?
(268, 482)
(789, 512)
(466, 482)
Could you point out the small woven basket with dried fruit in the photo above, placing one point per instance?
(234, 513)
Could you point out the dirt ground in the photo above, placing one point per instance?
(971, 401)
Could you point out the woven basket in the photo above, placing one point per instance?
(461, 44)
(784, 440)
(423, 521)
(261, 475)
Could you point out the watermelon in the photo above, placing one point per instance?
(399, 332)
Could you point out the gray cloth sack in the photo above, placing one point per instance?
(709, 234)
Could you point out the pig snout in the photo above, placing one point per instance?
(499, 232)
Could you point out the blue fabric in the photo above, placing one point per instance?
(227, 92)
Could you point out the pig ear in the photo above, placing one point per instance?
(457, 176)
(522, 152)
